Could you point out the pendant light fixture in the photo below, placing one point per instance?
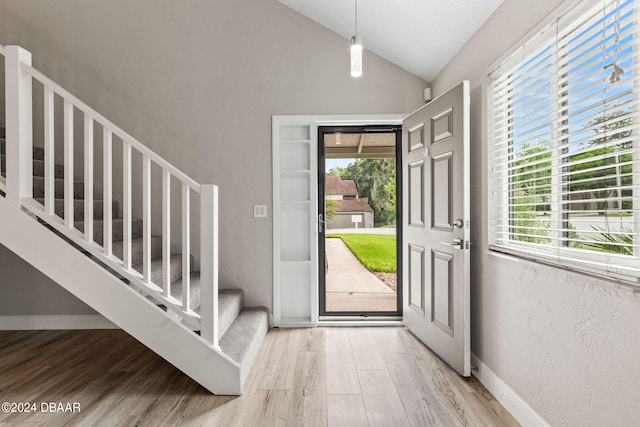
(356, 48)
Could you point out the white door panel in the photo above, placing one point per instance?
(436, 231)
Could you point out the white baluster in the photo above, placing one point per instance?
(88, 178)
(146, 219)
(49, 150)
(166, 232)
(107, 190)
(126, 205)
(19, 137)
(209, 264)
(186, 247)
(68, 164)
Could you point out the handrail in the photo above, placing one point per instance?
(38, 75)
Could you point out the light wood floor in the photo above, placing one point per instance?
(303, 377)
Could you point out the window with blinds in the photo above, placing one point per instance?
(564, 143)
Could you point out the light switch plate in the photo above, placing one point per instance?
(259, 211)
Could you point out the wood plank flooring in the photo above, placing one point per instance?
(303, 377)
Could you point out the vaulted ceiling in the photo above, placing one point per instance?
(420, 36)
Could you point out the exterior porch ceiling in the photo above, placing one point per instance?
(359, 145)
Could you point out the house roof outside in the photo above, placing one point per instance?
(337, 186)
(354, 205)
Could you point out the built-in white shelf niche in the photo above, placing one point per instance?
(294, 231)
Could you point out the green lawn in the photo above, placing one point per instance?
(377, 252)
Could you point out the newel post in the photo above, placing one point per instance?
(209, 263)
(19, 132)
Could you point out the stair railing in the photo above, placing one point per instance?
(19, 76)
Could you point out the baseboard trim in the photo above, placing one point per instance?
(512, 402)
(26, 323)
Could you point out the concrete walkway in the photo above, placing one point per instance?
(350, 286)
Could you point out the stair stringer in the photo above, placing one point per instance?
(123, 306)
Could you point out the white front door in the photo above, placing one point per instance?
(436, 222)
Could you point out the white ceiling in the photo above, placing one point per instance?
(420, 36)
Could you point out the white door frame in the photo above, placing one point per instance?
(295, 281)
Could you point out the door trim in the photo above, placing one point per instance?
(304, 304)
(381, 128)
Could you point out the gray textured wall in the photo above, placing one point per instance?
(25, 291)
(198, 82)
(565, 342)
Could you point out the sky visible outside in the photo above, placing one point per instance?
(333, 163)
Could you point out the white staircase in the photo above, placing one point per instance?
(125, 244)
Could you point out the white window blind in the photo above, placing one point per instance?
(564, 143)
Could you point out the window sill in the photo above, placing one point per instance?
(607, 279)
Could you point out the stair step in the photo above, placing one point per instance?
(230, 301)
(78, 208)
(176, 290)
(175, 263)
(117, 229)
(243, 339)
(38, 188)
(38, 153)
(38, 167)
(136, 249)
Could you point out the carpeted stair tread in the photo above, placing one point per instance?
(175, 263)
(38, 188)
(136, 249)
(117, 231)
(230, 301)
(244, 337)
(78, 208)
(38, 169)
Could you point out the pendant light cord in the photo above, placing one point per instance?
(356, 15)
